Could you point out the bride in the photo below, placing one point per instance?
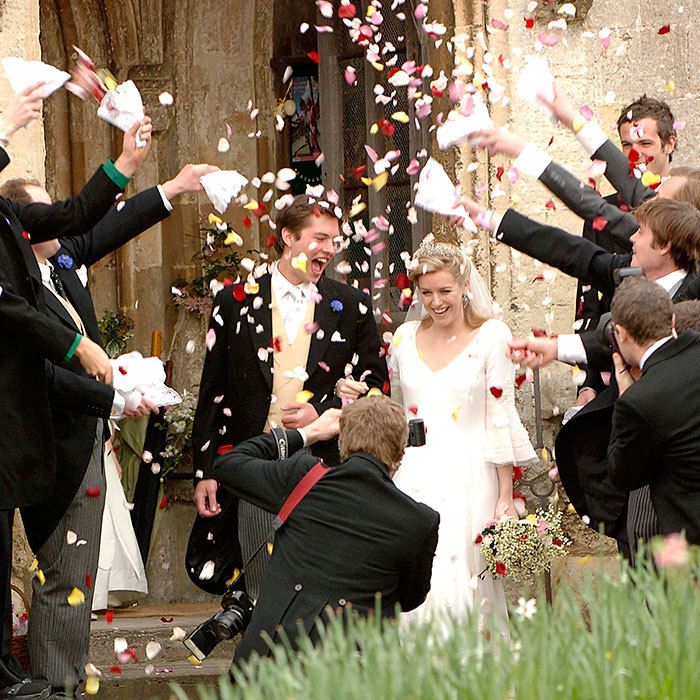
(451, 369)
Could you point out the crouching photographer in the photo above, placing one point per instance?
(344, 534)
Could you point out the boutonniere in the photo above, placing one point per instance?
(65, 261)
(337, 305)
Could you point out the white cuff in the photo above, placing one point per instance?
(166, 201)
(532, 161)
(495, 221)
(303, 436)
(591, 137)
(570, 349)
(118, 405)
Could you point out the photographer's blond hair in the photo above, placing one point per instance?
(438, 257)
(375, 425)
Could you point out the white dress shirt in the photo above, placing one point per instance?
(652, 349)
(292, 300)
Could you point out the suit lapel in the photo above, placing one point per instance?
(670, 349)
(262, 317)
(685, 283)
(57, 309)
(327, 320)
(25, 246)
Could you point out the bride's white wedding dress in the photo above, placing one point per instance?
(472, 425)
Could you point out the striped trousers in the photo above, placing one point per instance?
(59, 634)
(642, 524)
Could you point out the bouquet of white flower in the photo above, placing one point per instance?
(521, 548)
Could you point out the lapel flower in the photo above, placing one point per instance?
(337, 305)
(65, 261)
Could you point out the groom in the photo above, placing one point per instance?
(275, 355)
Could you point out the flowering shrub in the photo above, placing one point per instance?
(179, 420)
(522, 548)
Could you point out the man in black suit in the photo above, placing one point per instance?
(59, 634)
(353, 537)
(27, 451)
(666, 247)
(276, 349)
(656, 423)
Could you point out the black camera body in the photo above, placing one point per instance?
(234, 618)
(604, 329)
(416, 432)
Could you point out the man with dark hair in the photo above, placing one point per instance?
(354, 539)
(277, 346)
(656, 423)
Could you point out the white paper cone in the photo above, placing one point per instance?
(222, 186)
(22, 74)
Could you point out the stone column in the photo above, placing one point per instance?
(19, 36)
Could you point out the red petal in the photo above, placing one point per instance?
(94, 491)
(539, 332)
(633, 156)
(88, 580)
(359, 171)
(314, 56)
(260, 211)
(223, 449)
(518, 473)
(529, 22)
(109, 617)
(347, 11)
(167, 619)
(499, 172)
(386, 388)
(239, 292)
(496, 391)
(479, 539)
(599, 223)
(413, 409)
(246, 221)
(115, 669)
(665, 29)
(519, 379)
(549, 204)
(163, 503)
(270, 241)
(500, 568)
(402, 281)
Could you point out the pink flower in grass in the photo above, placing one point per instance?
(672, 551)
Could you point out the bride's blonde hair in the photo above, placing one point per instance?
(438, 257)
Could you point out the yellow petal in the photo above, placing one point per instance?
(374, 391)
(531, 519)
(455, 413)
(600, 296)
(40, 577)
(377, 66)
(303, 396)
(92, 685)
(366, 181)
(76, 597)
(357, 209)
(214, 219)
(234, 578)
(34, 565)
(649, 178)
(578, 124)
(194, 660)
(269, 548)
(233, 238)
(251, 287)
(374, 128)
(380, 181)
(545, 455)
(670, 86)
(371, 9)
(570, 508)
(401, 117)
(299, 262)
(252, 205)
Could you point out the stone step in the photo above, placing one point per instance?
(134, 684)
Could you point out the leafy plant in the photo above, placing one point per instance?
(178, 420)
(116, 329)
(629, 634)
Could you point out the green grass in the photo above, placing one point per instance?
(631, 635)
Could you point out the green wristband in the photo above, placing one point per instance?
(118, 178)
(73, 347)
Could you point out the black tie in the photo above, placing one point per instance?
(57, 284)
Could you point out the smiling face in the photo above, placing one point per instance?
(643, 136)
(307, 254)
(652, 260)
(442, 296)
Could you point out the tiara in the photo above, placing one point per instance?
(430, 247)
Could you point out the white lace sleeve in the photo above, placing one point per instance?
(507, 441)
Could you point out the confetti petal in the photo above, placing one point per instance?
(75, 597)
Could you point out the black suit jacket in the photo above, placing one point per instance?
(582, 452)
(27, 453)
(77, 401)
(237, 373)
(656, 435)
(355, 535)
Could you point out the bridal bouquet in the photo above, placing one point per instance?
(521, 548)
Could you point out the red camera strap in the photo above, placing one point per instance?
(306, 483)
